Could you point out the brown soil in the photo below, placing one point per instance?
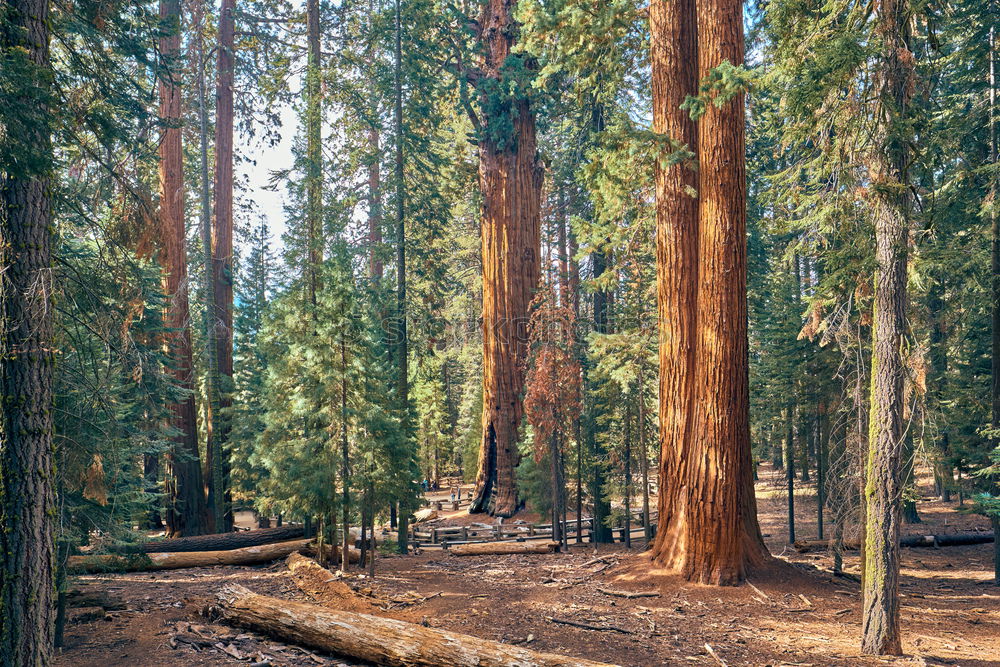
(796, 613)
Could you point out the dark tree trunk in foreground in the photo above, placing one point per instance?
(27, 505)
(708, 516)
(222, 270)
(185, 493)
(510, 177)
(883, 487)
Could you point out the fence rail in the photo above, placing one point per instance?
(444, 536)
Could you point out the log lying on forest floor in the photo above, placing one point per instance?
(630, 594)
(500, 548)
(174, 561)
(224, 541)
(322, 585)
(954, 540)
(382, 641)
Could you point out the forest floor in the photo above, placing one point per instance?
(797, 613)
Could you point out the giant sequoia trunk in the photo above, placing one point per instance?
(222, 272)
(26, 466)
(883, 483)
(510, 177)
(707, 516)
(186, 498)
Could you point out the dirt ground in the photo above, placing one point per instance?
(797, 613)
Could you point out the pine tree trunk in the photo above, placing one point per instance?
(600, 530)
(510, 178)
(821, 437)
(151, 473)
(995, 288)
(375, 267)
(790, 468)
(222, 267)
(883, 487)
(314, 152)
(708, 522)
(27, 503)
(205, 195)
(186, 499)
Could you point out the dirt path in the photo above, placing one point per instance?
(797, 613)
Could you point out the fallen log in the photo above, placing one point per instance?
(224, 541)
(957, 539)
(323, 586)
(630, 594)
(500, 548)
(175, 561)
(588, 626)
(382, 641)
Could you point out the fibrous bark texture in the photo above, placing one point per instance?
(707, 516)
(186, 497)
(510, 178)
(26, 359)
(883, 481)
(380, 641)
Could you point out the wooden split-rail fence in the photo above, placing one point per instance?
(444, 536)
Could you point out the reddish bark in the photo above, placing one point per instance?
(186, 499)
(707, 522)
(510, 178)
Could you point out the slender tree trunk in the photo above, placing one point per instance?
(205, 197)
(314, 151)
(790, 468)
(27, 498)
(628, 478)
(510, 178)
(222, 264)
(375, 267)
(601, 531)
(557, 483)
(644, 453)
(883, 488)
(995, 265)
(151, 473)
(707, 528)
(910, 514)
(186, 497)
(821, 437)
